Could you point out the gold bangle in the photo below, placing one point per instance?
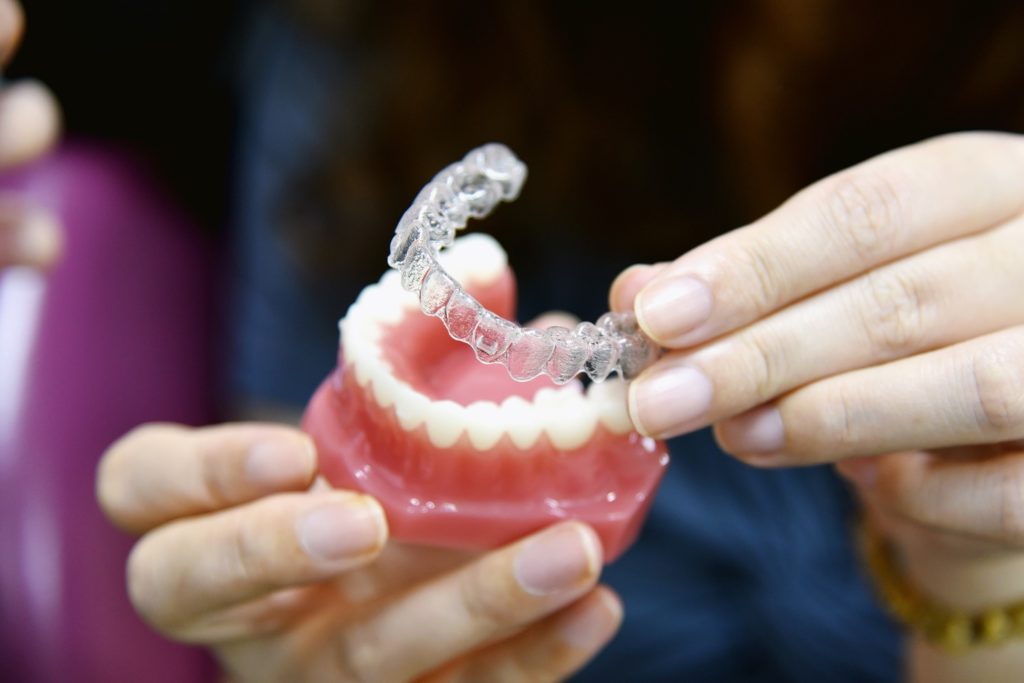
(950, 629)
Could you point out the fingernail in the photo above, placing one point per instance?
(344, 529)
(671, 307)
(670, 401)
(558, 559)
(759, 431)
(592, 624)
(280, 462)
(36, 238)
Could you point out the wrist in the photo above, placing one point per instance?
(953, 602)
(964, 581)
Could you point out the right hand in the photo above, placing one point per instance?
(291, 583)
(29, 127)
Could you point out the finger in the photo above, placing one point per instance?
(490, 598)
(551, 650)
(891, 206)
(29, 236)
(12, 25)
(267, 615)
(29, 122)
(980, 497)
(912, 305)
(971, 393)
(185, 569)
(629, 283)
(162, 472)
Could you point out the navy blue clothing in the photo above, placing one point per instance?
(746, 575)
(739, 575)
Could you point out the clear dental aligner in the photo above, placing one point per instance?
(472, 188)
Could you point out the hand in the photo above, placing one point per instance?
(290, 583)
(880, 312)
(29, 125)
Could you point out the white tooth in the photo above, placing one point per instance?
(385, 388)
(476, 258)
(445, 420)
(410, 407)
(486, 424)
(384, 304)
(522, 421)
(359, 349)
(362, 335)
(553, 399)
(372, 334)
(392, 279)
(569, 418)
(359, 353)
(609, 397)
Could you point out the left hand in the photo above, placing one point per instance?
(29, 127)
(879, 311)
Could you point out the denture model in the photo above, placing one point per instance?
(472, 450)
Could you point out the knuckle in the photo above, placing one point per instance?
(863, 209)
(486, 599)
(756, 265)
(837, 430)
(215, 479)
(246, 556)
(768, 365)
(997, 374)
(357, 655)
(548, 658)
(892, 312)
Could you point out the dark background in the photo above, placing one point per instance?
(648, 127)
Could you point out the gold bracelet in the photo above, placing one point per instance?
(943, 626)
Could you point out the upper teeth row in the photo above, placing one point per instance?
(471, 189)
(566, 415)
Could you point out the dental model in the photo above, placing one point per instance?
(460, 452)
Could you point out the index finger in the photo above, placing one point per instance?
(883, 209)
(162, 472)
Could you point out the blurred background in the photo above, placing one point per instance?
(232, 173)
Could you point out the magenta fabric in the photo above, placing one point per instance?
(122, 338)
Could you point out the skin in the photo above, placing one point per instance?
(226, 559)
(29, 127)
(243, 549)
(876, 321)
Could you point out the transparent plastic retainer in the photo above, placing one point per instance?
(472, 188)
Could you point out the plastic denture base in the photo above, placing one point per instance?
(472, 188)
(459, 454)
